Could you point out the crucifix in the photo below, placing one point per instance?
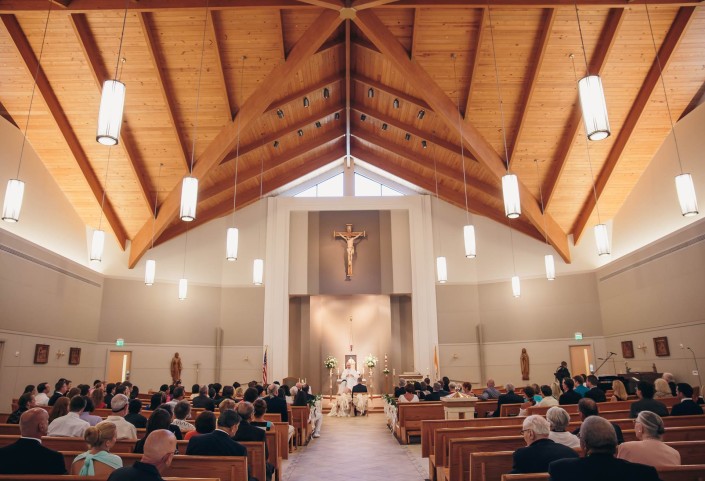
(350, 237)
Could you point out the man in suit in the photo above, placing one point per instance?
(599, 443)
(400, 389)
(588, 407)
(539, 451)
(569, 396)
(686, 406)
(275, 404)
(359, 387)
(60, 389)
(437, 394)
(203, 401)
(594, 392)
(646, 402)
(562, 372)
(248, 432)
(509, 398)
(159, 450)
(219, 442)
(27, 455)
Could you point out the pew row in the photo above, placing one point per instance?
(666, 473)
(68, 477)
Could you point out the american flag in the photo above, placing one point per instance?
(264, 367)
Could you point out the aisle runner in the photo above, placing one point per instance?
(355, 448)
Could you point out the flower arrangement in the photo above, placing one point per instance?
(386, 370)
(312, 401)
(371, 361)
(389, 399)
(330, 362)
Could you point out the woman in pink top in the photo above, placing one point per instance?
(650, 449)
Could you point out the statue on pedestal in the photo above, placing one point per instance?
(524, 361)
(176, 368)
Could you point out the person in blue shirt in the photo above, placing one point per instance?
(580, 386)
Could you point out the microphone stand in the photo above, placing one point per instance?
(696, 368)
(603, 362)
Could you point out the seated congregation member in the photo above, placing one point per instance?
(437, 393)
(24, 404)
(490, 391)
(60, 408)
(619, 392)
(60, 389)
(401, 388)
(559, 419)
(467, 389)
(217, 397)
(540, 451)
(159, 451)
(203, 401)
(509, 398)
(250, 395)
(205, 423)
(181, 412)
(529, 400)
(646, 402)
(133, 416)
(98, 461)
(580, 386)
(588, 408)
(226, 404)
(220, 442)
(668, 377)
(157, 399)
(109, 393)
(228, 393)
(160, 419)
(177, 396)
(662, 389)
(247, 432)
(42, 398)
(650, 448)
(410, 397)
(27, 455)
(98, 396)
(276, 404)
(195, 390)
(599, 442)
(70, 425)
(174, 429)
(87, 414)
(119, 406)
(548, 399)
(686, 406)
(569, 396)
(259, 410)
(594, 392)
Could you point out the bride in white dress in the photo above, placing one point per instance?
(341, 404)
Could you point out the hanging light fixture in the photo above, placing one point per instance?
(189, 186)
(112, 100)
(684, 182)
(258, 264)
(150, 268)
(602, 239)
(98, 237)
(468, 229)
(258, 272)
(232, 237)
(592, 98)
(14, 193)
(516, 286)
(183, 288)
(441, 266)
(548, 258)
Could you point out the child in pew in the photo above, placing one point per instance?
(98, 461)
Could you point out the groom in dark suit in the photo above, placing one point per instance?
(219, 442)
(27, 455)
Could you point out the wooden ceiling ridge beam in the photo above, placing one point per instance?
(599, 59)
(252, 194)
(251, 110)
(100, 74)
(29, 60)
(220, 71)
(442, 105)
(330, 4)
(414, 33)
(392, 91)
(533, 77)
(162, 82)
(475, 62)
(365, 4)
(326, 82)
(665, 55)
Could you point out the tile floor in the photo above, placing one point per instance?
(360, 448)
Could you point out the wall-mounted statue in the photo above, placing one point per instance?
(176, 367)
(524, 361)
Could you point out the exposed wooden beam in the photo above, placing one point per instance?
(665, 54)
(331, 44)
(694, 102)
(268, 139)
(475, 61)
(297, 96)
(250, 110)
(331, 4)
(6, 115)
(282, 43)
(414, 33)
(535, 68)
(253, 194)
(100, 74)
(365, 4)
(422, 104)
(348, 93)
(156, 58)
(213, 32)
(599, 59)
(446, 109)
(24, 49)
(363, 43)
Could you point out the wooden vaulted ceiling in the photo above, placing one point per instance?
(264, 56)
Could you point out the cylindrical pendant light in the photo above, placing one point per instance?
(189, 198)
(13, 200)
(183, 289)
(602, 239)
(97, 244)
(112, 103)
(150, 270)
(469, 237)
(441, 270)
(258, 272)
(550, 267)
(516, 286)
(594, 107)
(686, 195)
(510, 190)
(231, 244)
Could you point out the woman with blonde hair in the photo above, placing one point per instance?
(60, 408)
(663, 390)
(556, 389)
(619, 391)
(98, 461)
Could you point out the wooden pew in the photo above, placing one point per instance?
(299, 419)
(4, 417)
(666, 473)
(484, 408)
(509, 410)
(282, 430)
(682, 433)
(68, 477)
(256, 460)
(460, 450)
(410, 415)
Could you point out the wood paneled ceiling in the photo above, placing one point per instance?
(262, 57)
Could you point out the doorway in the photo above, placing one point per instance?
(581, 359)
(119, 366)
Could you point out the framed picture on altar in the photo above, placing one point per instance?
(627, 349)
(348, 357)
(661, 346)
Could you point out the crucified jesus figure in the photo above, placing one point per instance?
(350, 237)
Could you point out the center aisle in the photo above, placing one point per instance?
(355, 448)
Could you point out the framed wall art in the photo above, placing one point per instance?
(661, 346)
(627, 349)
(74, 356)
(41, 353)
